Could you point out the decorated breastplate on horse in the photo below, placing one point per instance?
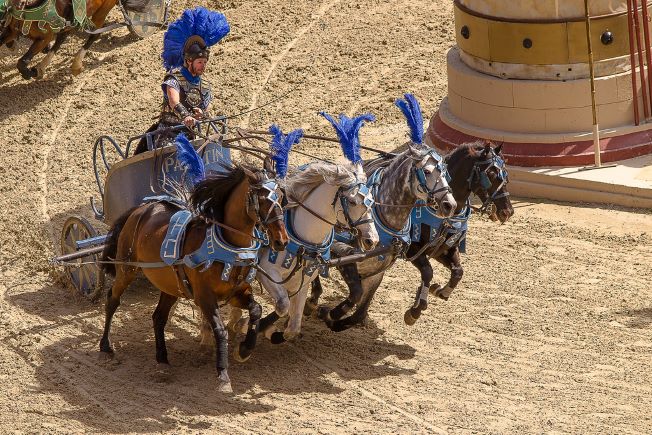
(192, 96)
(45, 13)
(214, 249)
(314, 257)
(450, 230)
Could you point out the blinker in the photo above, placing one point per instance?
(485, 182)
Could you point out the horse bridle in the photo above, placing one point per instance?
(421, 177)
(270, 186)
(367, 201)
(493, 162)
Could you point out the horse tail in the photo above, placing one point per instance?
(111, 244)
(135, 5)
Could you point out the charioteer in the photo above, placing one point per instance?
(186, 94)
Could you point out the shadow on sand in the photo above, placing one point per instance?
(107, 395)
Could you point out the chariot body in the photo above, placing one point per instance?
(125, 184)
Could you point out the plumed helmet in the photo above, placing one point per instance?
(191, 36)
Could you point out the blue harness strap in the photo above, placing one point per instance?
(213, 249)
(314, 256)
(456, 226)
(173, 241)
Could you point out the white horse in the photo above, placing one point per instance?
(321, 196)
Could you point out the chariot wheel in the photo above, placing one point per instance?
(156, 12)
(86, 277)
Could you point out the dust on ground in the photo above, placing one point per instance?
(550, 329)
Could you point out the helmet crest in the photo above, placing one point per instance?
(192, 35)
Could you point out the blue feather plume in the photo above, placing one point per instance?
(347, 130)
(189, 159)
(412, 111)
(210, 25)
(281, 145)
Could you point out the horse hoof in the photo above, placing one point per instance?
(241, 326)
(105, 356)
(40, 73)
(409, 320)
(76, 70)
(433, 289)
(277, 338)
(241, 354)
(162, 372)
(309, 308)
(224, 383)
(291, 336)
(224, 387)
(323, 312)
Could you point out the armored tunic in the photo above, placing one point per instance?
(194, 93)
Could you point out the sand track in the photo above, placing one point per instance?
(550, 330)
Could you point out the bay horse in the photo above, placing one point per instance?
(462, 164)
(43, 33)
(235, 201)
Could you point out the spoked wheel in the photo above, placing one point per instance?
(156, 13)
(86, 277)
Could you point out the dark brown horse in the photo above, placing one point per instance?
(466, 164)
(43, 33)
(237, 200)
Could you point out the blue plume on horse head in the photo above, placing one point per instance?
(189, 159)
(210, 25)
(347, 130)
(281, 145)
(410, 108)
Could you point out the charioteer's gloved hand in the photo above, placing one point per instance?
(198, 113)
(189, 121)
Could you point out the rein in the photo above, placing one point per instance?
(311, 211)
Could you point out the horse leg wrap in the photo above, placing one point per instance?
(222, 341)
(267, 321)
(421, 300)
(255, 313)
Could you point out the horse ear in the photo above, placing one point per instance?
(414, 150)
(498, 149)
(487, 148)
(250, 174)
(268, 165)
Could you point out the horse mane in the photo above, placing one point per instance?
(301, 183)
(385, 161)
(210, 195)
(464, 150)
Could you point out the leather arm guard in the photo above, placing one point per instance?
(181, 111)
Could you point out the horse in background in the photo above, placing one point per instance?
(56, 23)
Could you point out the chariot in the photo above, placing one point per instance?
(126, 184)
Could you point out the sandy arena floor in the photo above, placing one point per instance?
(549, 331)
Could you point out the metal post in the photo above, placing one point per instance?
(648, 55)
(641, 63)
(596, 130)
(632, 61)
